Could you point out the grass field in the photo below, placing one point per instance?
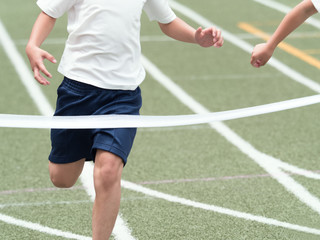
(251, 178)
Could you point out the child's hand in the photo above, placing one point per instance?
(261, 55)
(209, 37)
(36, 57)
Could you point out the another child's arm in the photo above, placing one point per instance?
(179, 30)
(263, 52)
(40, 31)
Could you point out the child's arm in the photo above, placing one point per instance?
(40, 31)
(179, 30)
(263, 52)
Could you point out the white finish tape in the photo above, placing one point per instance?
(130, 121)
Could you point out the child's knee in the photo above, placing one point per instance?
(61, 181)
(65, 175)
(108, 169)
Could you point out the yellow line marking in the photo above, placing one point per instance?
(312, 51)
(284, 46)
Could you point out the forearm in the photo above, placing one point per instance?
(179, 30)
(292, 21)
(41, 29)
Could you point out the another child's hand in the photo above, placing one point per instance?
(36, 57)
(209, 37)
(261, 55)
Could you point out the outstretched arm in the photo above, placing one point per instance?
(179, 30)
(263, 52)
(40, 31)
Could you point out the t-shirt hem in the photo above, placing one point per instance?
(168, 19)
(47, 10)
(102, 85)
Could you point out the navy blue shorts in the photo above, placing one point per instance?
(76, 98)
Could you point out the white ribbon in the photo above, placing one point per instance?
(132, 121)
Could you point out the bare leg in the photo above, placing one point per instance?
(65, 175)
(107, 182)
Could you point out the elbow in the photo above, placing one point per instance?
(309, 9)
(164, 27)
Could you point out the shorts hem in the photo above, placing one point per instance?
(111, 149)
(62, 160)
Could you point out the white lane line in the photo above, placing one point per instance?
(216, 77)
(62, 41)
(213, 208)
(285, 9)
(266, 162)
(208, 179)
(41, 103)
(164, 38)
(32, 190)
(293, 169)
(32, 204)
(40, 228)
(121, 230)
(23, 72)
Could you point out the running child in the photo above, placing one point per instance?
(102, 73)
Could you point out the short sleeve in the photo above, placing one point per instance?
(55, 8)
(316, 4)
(159, 10)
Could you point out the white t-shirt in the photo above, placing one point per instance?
(316, 4)
(103, 47)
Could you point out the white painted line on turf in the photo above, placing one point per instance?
(207, 179)
(221, 210)
(40, 228)
(226, 76)
(315, 23)
(32, 190)
(24, 73)
(40, 100)
(120, 231)
(62, 41)
(164, 38)
(285, 9)
(293, 169)
(265, 161)
(43, 203)
(294, 75)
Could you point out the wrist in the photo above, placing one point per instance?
(271, 45)
(195, 39)
(30, 48)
